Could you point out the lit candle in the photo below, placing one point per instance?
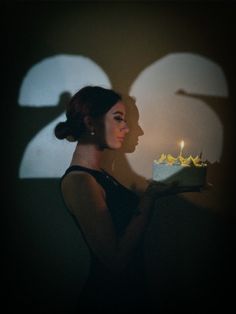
(181, 148)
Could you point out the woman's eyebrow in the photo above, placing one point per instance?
(118, 112)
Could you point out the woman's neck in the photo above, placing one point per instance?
(87, 155)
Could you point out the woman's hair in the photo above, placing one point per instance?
(93, 101)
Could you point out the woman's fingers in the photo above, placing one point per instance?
(157, 189)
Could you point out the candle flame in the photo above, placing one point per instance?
(182, 144)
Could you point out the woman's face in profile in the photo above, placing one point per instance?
(115, 125)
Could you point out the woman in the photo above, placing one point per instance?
(111, 217)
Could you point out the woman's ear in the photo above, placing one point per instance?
(88, 122)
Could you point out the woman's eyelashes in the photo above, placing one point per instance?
(119, 119)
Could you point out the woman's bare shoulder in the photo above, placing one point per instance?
(83, 195)
(80, 181)
(78, 176)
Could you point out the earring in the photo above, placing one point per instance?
(92, 133)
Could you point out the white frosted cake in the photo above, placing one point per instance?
(188, 172)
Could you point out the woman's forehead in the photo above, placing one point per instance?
(119, 107)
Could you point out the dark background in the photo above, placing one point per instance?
(189, 251)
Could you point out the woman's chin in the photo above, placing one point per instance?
(118, 146)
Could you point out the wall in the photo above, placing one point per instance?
(177, 60)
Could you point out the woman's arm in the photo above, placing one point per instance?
(86, 200)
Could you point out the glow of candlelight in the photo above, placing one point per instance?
(181, 147)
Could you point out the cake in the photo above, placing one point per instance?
(187, 172)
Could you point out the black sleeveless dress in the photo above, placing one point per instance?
(103, 291)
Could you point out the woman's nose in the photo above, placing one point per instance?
(125, 128)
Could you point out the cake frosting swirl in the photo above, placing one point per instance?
(189, 171)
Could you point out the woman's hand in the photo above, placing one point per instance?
(158, 189)
(154, 191)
